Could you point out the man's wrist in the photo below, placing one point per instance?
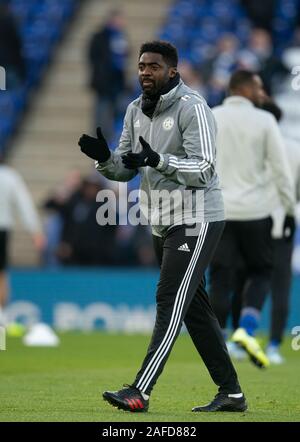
(102, 163)
(105, 157)
(163, 162)
(155, 159)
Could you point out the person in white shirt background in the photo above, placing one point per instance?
(14, 199)
(250, 151)
(282, 258)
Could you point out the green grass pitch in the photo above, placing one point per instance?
(65, 383)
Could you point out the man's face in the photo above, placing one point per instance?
(257, 92)
(154, 72)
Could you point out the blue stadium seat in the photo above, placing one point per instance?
(195, 27)
(41, 23)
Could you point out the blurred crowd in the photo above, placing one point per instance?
(75, 238)
(212, 78)
(108, 52)
(216, 38)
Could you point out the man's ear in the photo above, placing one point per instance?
(172, 72)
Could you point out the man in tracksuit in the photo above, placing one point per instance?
(169, 138)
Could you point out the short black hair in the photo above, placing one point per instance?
(275, 110)
(240, 78)
(166, 49)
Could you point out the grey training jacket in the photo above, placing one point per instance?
(183, 131)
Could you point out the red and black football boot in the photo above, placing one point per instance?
(127, 399)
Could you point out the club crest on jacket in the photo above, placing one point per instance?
(168, 123)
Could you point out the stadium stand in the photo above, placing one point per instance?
(197, 26)
(40, 24)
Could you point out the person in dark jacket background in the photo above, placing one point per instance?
(108, 53)
(11, 58)
(83, 242)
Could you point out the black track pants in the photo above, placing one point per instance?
(181, 296)
(248, 242)
(280, 285)
(280, 291)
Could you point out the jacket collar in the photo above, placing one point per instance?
(238, 99)
(167, 99)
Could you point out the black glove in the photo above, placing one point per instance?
(289, 227)
(95, 148)
(147, 157)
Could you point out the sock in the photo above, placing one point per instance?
(145, 396)
(236, 395)
(3, 319)
(274, 343)
(249, 320)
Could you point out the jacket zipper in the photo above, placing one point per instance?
(150, 137)
(151, 144)
(147, 168)
(151, 131)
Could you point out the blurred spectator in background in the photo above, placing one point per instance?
(108, 53)
(143, 246)
(223, 60)
(261, 13)
(54, 220)
(191, 76)
(134, 246)
(14, 196)
(259, 57)
(75, 238)
(11, 49)
(83, 241)
(218, 68)
(133, 243)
